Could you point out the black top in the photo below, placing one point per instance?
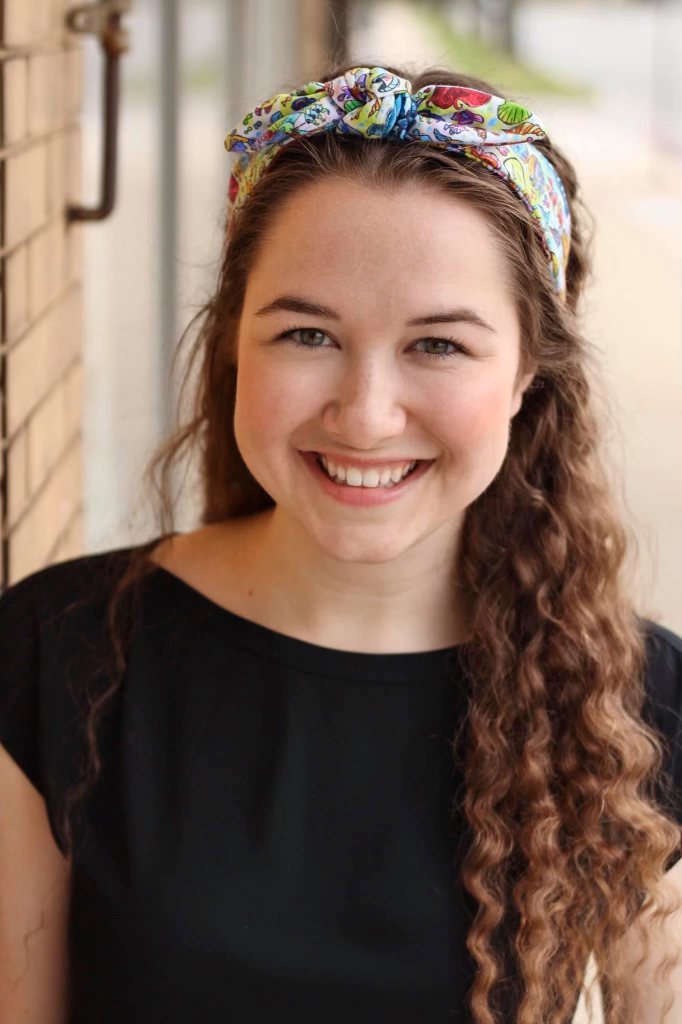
(271, 831)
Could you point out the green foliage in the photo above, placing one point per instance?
(475, 57)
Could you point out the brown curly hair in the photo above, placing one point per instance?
(568, 839)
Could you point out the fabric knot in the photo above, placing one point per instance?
(373, 102)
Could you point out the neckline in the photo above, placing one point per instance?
(237, 630)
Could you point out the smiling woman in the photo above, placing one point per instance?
(385, 737)
(368, 395)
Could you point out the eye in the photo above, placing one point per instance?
(458, 347)
(289, 334)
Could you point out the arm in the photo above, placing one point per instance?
(34, 903)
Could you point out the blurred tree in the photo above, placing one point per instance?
(506, 25)
(338, 20)
(492, 21)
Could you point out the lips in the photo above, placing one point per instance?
(364, 497)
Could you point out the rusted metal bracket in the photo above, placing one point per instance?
(103, 19)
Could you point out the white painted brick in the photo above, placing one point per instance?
(73, 164)
(46, 268)
(42, 314)
(41, 358)
(25, 193)
(73, 401)
(73, 540)
(16, 293)
(27, 378)
(15, 101)
(17, 477)
(16, 200)
(46, 87)
(74, 251)
(38, 533)
(73, 82)
(46, 437)
(26, 22)
(56, 176)
(64, 333)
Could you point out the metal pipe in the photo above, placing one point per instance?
(104, 20)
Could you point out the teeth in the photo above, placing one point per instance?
(355, 477)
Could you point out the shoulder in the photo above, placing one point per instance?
(54, 585)
(40, 613)
(663, 669)
(663, 639)
(212, 560)
(195, 553)
(51, 625)
(662, 709)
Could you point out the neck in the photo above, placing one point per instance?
(406, 604)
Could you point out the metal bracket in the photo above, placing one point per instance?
(103, 19)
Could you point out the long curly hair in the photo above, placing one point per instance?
(568, 840)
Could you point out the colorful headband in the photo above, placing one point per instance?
(377, 104)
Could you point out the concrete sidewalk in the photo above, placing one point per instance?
(632, 308)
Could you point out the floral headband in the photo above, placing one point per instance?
(377, 104)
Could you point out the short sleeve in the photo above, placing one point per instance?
(52, 627)
(663, 711)
(20, 679)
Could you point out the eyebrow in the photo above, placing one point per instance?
(295, 304)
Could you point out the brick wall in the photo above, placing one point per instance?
(41, 334)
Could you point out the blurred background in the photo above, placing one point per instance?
(605, 75)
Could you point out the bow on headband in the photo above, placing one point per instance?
(377, 104)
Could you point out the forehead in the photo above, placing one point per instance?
(367, 245)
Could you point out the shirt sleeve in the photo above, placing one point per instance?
(663, 711)
(43, 643)
(52, 643)
(20, 679)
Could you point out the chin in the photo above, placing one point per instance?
(365, 544)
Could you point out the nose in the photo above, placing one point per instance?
(367, 406)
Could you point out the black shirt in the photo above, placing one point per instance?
(271, 831)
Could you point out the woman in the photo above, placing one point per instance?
(384, 738)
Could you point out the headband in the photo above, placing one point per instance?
(377, 104)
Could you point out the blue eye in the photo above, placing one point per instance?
(459, 349)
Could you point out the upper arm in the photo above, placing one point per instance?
(34, 902)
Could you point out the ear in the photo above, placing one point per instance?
(522, 386)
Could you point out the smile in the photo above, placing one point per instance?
(365, 488)
(375, 476)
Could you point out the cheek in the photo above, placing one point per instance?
(472, 420)
(269, 405)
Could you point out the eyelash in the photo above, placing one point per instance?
(286, 336)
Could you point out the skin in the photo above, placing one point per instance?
(372, 579)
